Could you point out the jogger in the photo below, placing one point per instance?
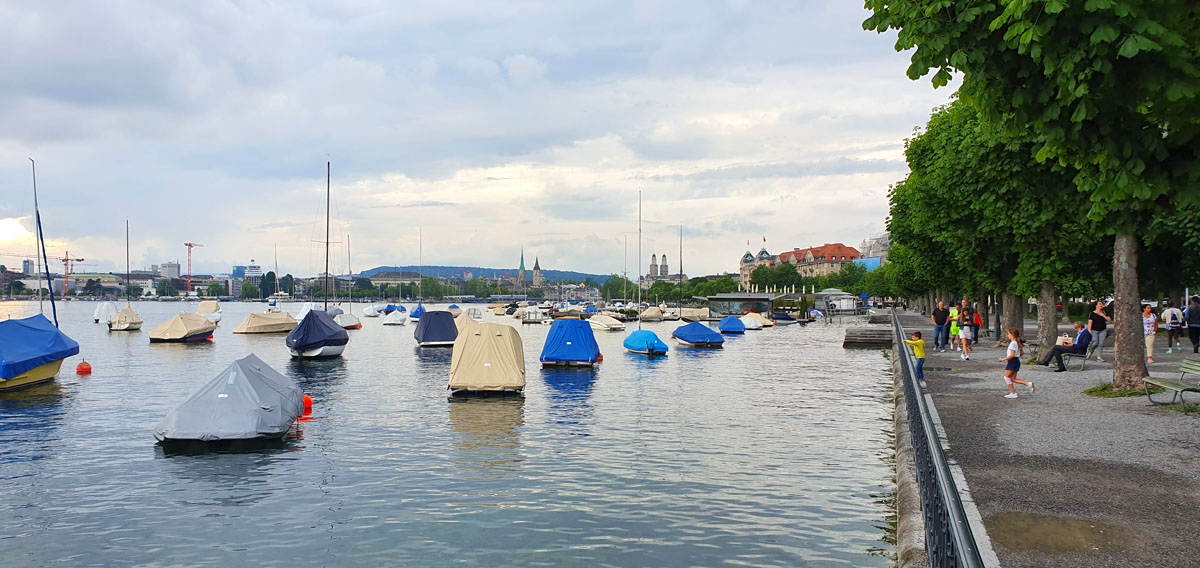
(1015, 352)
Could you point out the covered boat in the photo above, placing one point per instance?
(210, 309)
(488, 357)
(694, 314)
(396, 317)
(371, 311)
(417, 312)
(249, 400)
(784, 318)
(602, 322)
(751, 323)
(645, 342)
(454, 310)
(570, 342)
(435, 329)
(31, 351)
(462, 320)
(653, 313)
(317, 336)
(305, 308)
(731, 324)
(757, 316)
(475, 314)
(125, 320)
(273, 322)
(696, 334)
(348, 321)
(104, 311)
(183, 328)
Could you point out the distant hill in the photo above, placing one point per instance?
(480, 272)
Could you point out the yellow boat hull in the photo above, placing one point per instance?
(33, 376)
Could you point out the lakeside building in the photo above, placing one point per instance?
(828, 258)
(168, 270)
(395, 278)
(739, 303)
(659, 271)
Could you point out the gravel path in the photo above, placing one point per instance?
(1064, 479)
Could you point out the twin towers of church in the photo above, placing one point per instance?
(658, 270)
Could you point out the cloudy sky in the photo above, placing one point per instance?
(485, 126)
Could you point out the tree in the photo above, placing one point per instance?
(165, 288)
(287, 284)
(16, 287)
(266, 286)
(215, 289)
(364, 284)
(1108, 89)
(617, 286)
(93, 287)
(249, 290)
(135, 291)
(762, 276)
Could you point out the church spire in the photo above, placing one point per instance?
(535, 264)
(522, 269)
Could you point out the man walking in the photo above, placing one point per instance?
(940, 318)
(1082, 339)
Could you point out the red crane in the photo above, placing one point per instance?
(190, 246)
(67, 260)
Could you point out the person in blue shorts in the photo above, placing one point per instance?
(1015, 352)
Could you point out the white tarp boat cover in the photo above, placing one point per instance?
(487, 357)
(125, 318)
(274, 322)
(181, 327)
(104, 311)
(397, 317)
(208, 307)
(347, 321)
(652, 314)
(758, 317)
(606, 323)
(248, 400)
(305, 308)
(751, 323)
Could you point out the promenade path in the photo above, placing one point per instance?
(1065, 479)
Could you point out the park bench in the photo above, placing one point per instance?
(1070, 359)
(1187, 367)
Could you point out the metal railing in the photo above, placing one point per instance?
(948, 538)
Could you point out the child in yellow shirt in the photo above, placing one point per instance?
(918, 347)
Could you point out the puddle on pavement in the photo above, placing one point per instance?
(1018, 532)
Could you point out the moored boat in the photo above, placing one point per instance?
(31, 351)
(435, 329)
(783, 318)
(731, 325)
(417, 312)
(104, 311)
(125, 320)
(759, 317)
(487, 358)
(210, 309)
(696, 334)
(271, 322)
(347, 321)
(396, 317)
(570, 343)
(751, 323)
(602, 322)
(317, 336)
(183, 328)
(645, 342)
(651, 314)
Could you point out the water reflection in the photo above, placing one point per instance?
(30, 419)
(231, 477)
(568, 392)
(486, 434)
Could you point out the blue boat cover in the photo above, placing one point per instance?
(782, 316)
(697, 332)
(453, 307)
(645, 341)
(570, 341)
(401, 309)
(731, 324)
(590, 310)
(435, 325)
(30, 343)
(418, 311)
(317, 329)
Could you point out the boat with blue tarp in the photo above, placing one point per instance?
(731, 325)
(435, 329)
(570, 343)
(696, 334)
(317, 336)
(417, 312)
(645, 342)
(31, 351)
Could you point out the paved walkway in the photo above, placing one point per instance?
(1064, 479)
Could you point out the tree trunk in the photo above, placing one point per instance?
(1066, 317)
(1129, 350)
(1013, 316)
(1047, 319)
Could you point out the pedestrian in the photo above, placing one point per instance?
(1192, 316)
(918, 347)
(940, 318)
(1098, 325)
(975, 328)
(966, 323)
(1015, 352)
(1173, 319)
(1150, 329)
(954, 327)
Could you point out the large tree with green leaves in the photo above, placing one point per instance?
(1107, 88)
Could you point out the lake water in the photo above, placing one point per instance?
(772, 451)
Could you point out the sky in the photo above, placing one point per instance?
(458, 132)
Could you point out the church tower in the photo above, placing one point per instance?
(538, 281)
(663, 270)
(521, 271)
(653, 266)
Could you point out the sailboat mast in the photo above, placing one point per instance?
(328, 201)
(420, 260)
(681, 271)
(37, 237)
(639, 259)
(349, 270)
(276, 270)
(128, 290)
(625, 284)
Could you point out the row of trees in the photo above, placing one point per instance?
(1069, 152)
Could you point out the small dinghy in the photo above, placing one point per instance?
(248, 401)
(570, 343)
(347, 321)
(317, 336)
(694, 314)
(435, 329)
(183, 328)
(104, 311)
(761, 320)
(731, 324)
(645, 342)
(602, 322)
(487, 358)
(396, 317)
(271, 322)
(783, 318)
(750, 323)
(696, 334)
(210, 309)
(31, 351)
(125, 320)
(653, 313)
(417, 312)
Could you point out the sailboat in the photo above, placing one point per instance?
(317, 335)
(126, 319)
(32, 349)
(346, 319)
(643, 341)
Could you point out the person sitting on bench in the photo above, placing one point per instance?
(1082, 338)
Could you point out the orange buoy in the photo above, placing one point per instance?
(307, 404)
(83, 368)
(600, 358)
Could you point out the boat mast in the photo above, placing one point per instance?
(41, 239)
(420, 261)
(37, 239)
(128, 290)
(625, 284)
(277, 272)
(681, 271)
(639, 259)
(327, 204)
(350, 271)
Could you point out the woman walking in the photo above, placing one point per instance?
(1173, 319)
(966, 324)
(1015, 352)
(1150, 329)
(1098, 326)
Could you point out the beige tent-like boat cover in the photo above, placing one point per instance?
(488, 357)
(462, 320)
(125, 318)
(606, 322)
(208, 307)
(652, 314)
(694, 314)
(181, 326)
(278, 322)
(766, 322)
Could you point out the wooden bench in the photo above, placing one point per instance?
(1187, 367)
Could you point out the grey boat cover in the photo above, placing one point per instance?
(248, 400)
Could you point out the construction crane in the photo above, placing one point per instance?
(67, 260)
(190, 246)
